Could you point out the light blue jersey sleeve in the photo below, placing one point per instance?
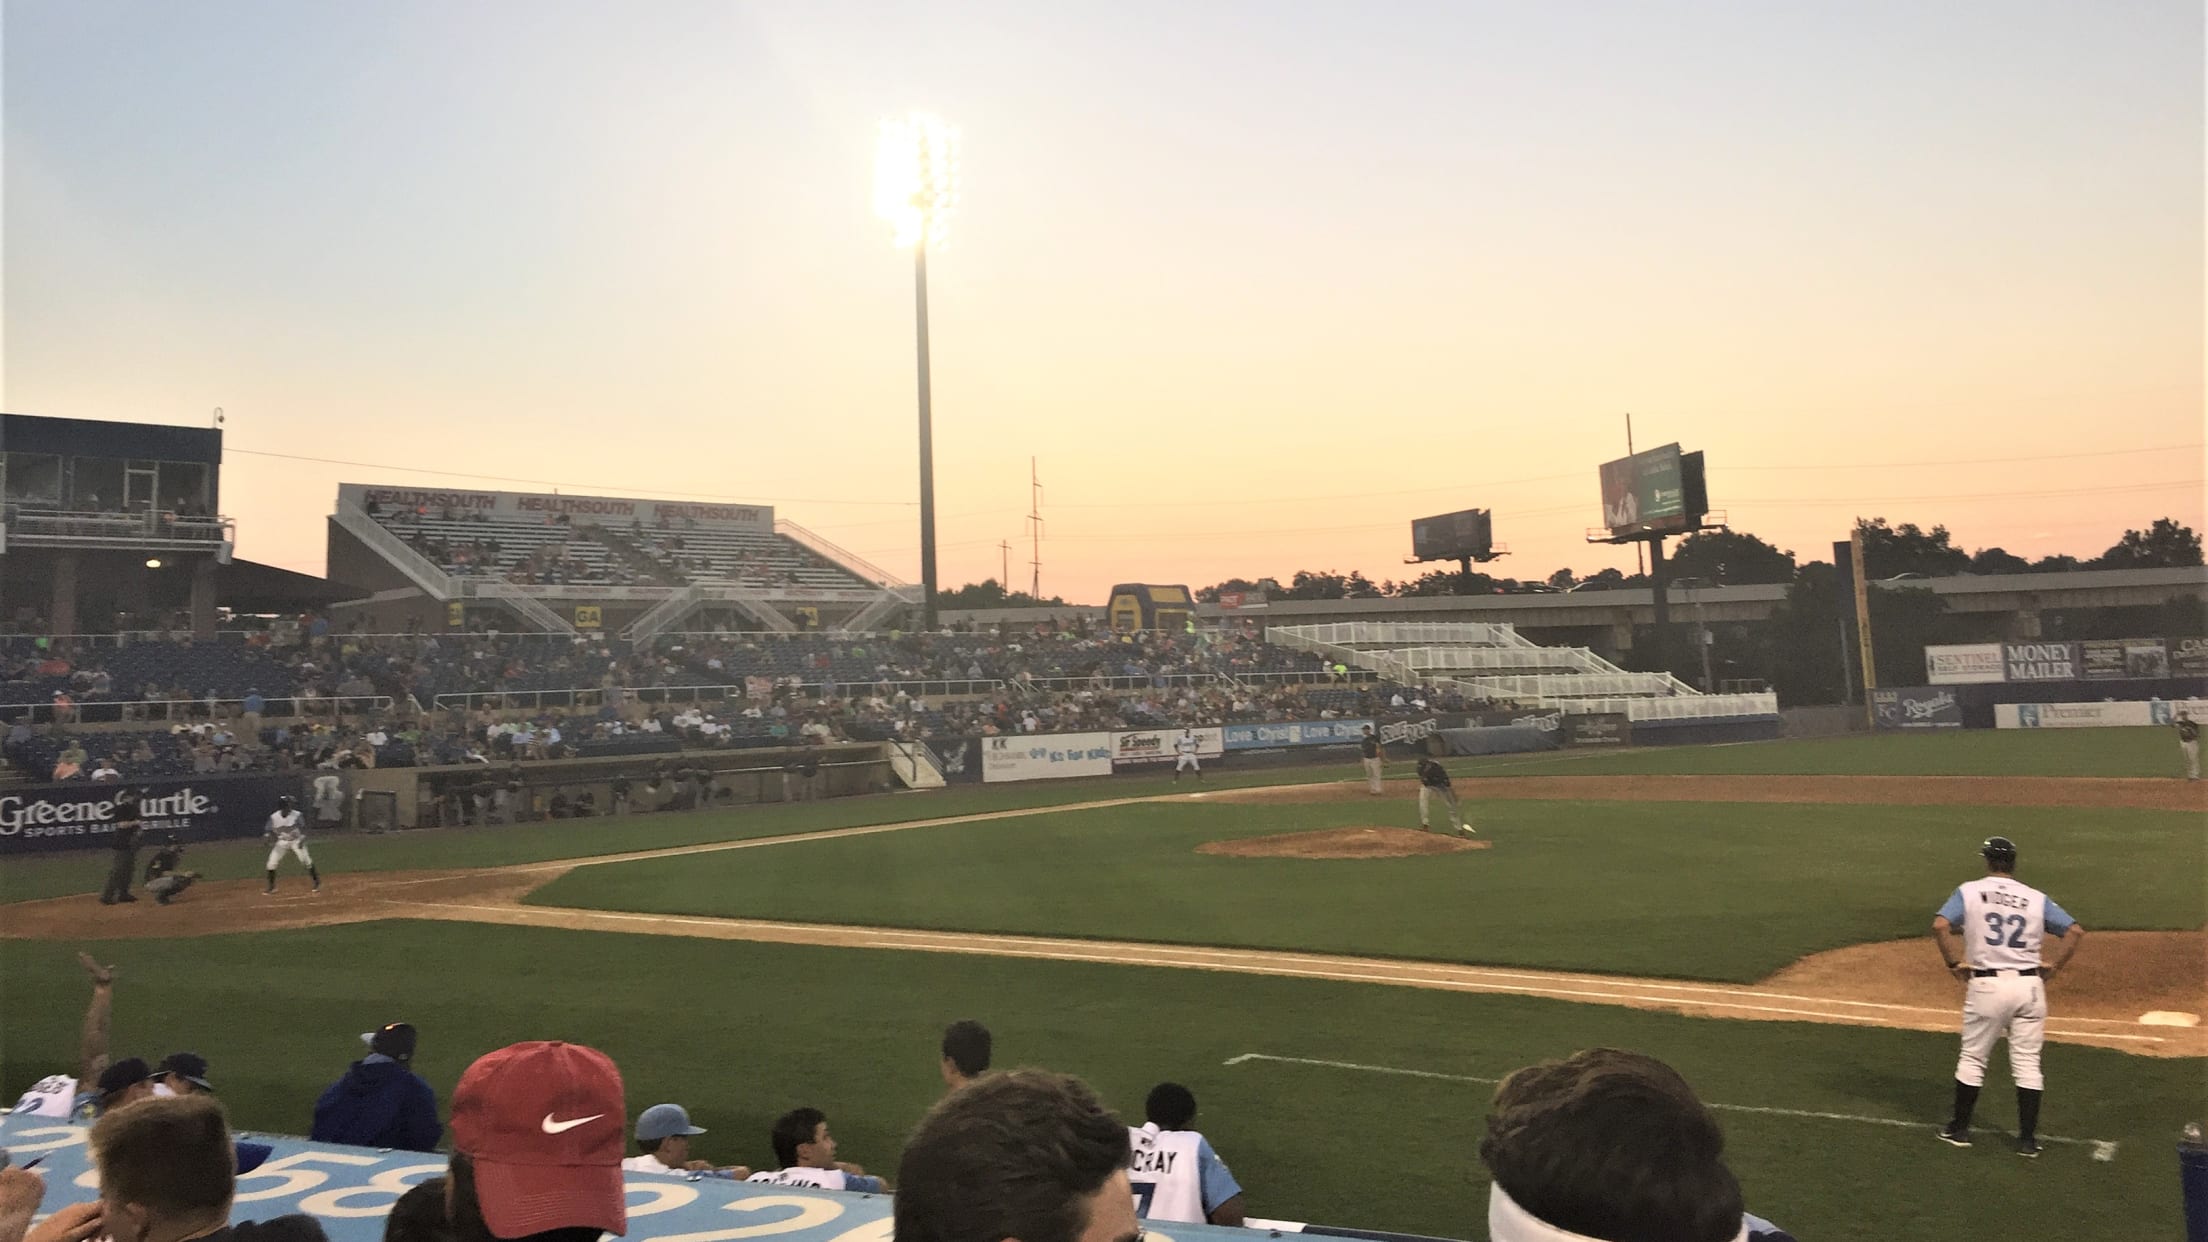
(1219, 1183)
(865, 1184)
(1953, 910)
(2058, 919)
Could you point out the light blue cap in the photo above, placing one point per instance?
(664, 1121)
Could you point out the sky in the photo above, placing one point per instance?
(1253, 284)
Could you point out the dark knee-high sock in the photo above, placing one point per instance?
(272, 877)
(314, 875)
(1966, 1101)
(2027, 1112)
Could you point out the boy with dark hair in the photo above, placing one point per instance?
(1175, 1173)
(1613, 1145)
(807, 1154)
(966, 1050)
(1025, 1154)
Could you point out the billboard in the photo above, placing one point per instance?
(1045, 756)
(1276, 735)
(1965, 664)
(1916, 707)
(1161, 745)
(2040, 661)
(74, 816)
(1469, 533)
(1657, 492)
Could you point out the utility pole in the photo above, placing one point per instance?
(1035, 530)
(1004, 574)
(1638, 567)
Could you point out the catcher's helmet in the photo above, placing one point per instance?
(1999, 851)
(285, 803)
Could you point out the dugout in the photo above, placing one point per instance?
(1150, 606)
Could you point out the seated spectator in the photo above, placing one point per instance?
(663, 1135)
(181, 1073)
(806, 1153)
(167, 1170)
(381, 1101)
(21, 1191)
(966, 1048)
(105, 771)
(536, 1138)
(1176, 1174)
(419, 1215)
(1027, 1154)
(1613, 1145)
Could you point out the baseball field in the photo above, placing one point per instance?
(1340, 991)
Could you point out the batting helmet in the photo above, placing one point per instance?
(1999, 851)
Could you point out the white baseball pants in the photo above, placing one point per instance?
(1372, 775)
(1186, 763)
(297, 848)
(1426, 795)
(2192, 759)
(2012, 1005)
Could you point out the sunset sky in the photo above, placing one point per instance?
(1257, 283)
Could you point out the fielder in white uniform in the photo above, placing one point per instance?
(1184, 748)
(1989, 934)
(287, 830)
(1175, 1174)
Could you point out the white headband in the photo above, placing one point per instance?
(1507, 1222)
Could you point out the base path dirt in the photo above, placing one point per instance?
(1340, 843)
(2128, 793)
(2118, 977)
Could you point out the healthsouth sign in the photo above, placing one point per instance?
(601, 510)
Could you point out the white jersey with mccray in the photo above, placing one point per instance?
(2002, 922)
(1162, 1169)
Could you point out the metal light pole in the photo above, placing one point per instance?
(915, 187)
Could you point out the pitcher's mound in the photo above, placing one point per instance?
(1344, 843)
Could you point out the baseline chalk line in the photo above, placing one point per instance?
(2103, 1150)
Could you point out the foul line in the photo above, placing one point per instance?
(2103, 1149)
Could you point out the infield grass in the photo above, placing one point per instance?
(739, 1032)
(1720, 891)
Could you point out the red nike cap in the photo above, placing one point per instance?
(543, 1124)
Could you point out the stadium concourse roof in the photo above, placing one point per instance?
(251, 587)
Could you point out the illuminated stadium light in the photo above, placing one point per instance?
(915, 188)
(916, 178)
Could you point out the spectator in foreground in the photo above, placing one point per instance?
(1175, 1173)
(663, 1134)
(966, 1048)
(167, 1171)
(1610, 1145)
(1025, 1154)
(182, 1073)
(61, 1095)
(807, 1154)
(381, 1101)
(536, 1146)
(419, 1215)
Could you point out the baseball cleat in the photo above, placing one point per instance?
(268, 892)
(1954, 1137)
(1467, 830)
(2028, 1148)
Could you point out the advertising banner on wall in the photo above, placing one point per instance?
(2189, 657)
(2137, 659)
(1140, 746)
(1413, 733)
(1274, 735)
(1968, 664)
(2039, 661)
(1598, 729)
(2158, 713)
(35, 818)
(959, 757)
(1045, 756)
(1915, 707)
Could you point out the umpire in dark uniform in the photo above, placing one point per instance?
(123, 827)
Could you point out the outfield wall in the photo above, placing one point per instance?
(2156, 713)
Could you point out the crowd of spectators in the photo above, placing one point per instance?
(1603, 1144)
(309, 695)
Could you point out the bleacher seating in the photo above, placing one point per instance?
(556, 551)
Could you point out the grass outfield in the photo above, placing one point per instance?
(2059, 752)
(1721, 891)
(739, 1032)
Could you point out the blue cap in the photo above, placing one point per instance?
(664, 1121)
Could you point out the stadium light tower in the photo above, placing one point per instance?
(915, 188)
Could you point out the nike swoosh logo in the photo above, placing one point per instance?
(562, 1127)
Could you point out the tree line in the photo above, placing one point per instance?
(1738, 558)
